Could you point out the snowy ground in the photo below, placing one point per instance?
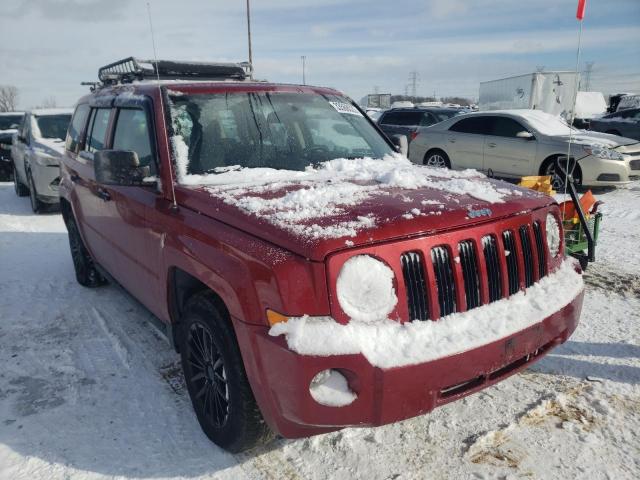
(89, 388)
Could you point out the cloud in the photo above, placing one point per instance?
(68, 10)
(441, 9)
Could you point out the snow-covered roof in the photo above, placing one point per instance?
(10, 114)
(40, 112)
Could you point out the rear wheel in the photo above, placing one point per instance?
(552, 169)
(437, 158)
(87, 274)
(214, 373)
(36, 205)
(20, 189)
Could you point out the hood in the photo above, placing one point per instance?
(587, 137)
(53, 147)
(346, 203)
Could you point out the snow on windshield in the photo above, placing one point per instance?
(297, 201)
(546, 123)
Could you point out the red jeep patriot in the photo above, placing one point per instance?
(310, 276)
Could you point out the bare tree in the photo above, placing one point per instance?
(8, 98)
(49, 102)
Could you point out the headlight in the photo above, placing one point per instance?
(601, 151)
(365, 289)
(553, 235)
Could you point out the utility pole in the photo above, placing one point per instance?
(304, 65)
(588, 69)
(414, 77)
(249, 36)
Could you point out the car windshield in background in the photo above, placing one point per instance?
(9, 121)
(53, 126)
(443, 115)
(288, 131)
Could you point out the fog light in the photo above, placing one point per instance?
(608, 177)
(330, 388)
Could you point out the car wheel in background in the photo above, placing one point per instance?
(36, 205)
(20, 189)
(214, 373)
(87, 274)
(437, 158)
(551, 168)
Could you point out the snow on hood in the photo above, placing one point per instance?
(584, 137)
(50, 146)
(297, 201)
(389, 344)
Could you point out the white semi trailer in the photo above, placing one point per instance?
(551, 92)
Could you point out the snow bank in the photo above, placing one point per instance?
(389, 344)
(294, 200)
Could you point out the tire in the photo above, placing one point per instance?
(36, 205)
(87, 274)
(549, 167)
(437, 158)
(216, 379)
(20, 189)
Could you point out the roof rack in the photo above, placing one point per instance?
(132, 69)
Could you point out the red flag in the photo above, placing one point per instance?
(582, 4)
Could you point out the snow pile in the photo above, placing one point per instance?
(298, 200)
(389, 344)
(365, 289)
(330, 388)
(590, 104)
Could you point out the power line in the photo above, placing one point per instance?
(414, 78)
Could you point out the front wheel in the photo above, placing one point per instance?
(20, 189)
(36, 205)
(216, 379)
(87, 274)
(557, 173)
(438, 159)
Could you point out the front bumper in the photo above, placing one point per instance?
(46, 179)
(601, 172)
(280, 377)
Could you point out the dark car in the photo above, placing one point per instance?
(9, 124)
(625, 123)
(300, 264)
(405, 121)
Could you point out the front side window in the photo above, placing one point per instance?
(504, 127)
(280, 130)
(53, 126)
(76, 126)
(132, 133)
(99, 123)
(8, 122)
(477, 125)
(403, 118)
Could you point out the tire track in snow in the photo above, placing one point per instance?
(118, 347)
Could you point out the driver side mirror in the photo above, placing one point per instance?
(401, 143)
(119, 167)
(526, 135)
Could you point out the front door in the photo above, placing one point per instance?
(464, 142)
(506, 154)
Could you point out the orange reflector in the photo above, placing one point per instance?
(275, 317)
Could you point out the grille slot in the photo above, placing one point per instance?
(445, 282)
(542, 264)
(512, 261)
(416, 285)
(494, 277)
(527, 254)
(469, 264)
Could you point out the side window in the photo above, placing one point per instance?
(99, 123)
(390, 118)
(428, 119)
(504, 127)
(474, 124)
(75, 127)
(133, 133)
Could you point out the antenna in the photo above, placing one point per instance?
(174, 205)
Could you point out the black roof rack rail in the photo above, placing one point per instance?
(132, 69)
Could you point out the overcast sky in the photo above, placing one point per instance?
(47, 47)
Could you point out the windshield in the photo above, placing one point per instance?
(53, 126)
(9, 121)
(546, 123)
(280, 130)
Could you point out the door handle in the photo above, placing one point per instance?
(491, 145)
(452, 140)
(103, 194)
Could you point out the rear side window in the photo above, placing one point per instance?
(133, 133)
(76, 126)
(476, 125)
(504, 127)
(402, 118)
(99, 123)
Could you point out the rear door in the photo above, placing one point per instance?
(401, 122)
(504, 152)
(464, 142)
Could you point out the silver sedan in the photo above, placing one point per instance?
(515, 143)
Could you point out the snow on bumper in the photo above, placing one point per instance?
(389, 344)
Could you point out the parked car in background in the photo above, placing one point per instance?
(36, 150)
(263, 219)
(9, 124)
(625, 123)
(406, 121)
(515, 143)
